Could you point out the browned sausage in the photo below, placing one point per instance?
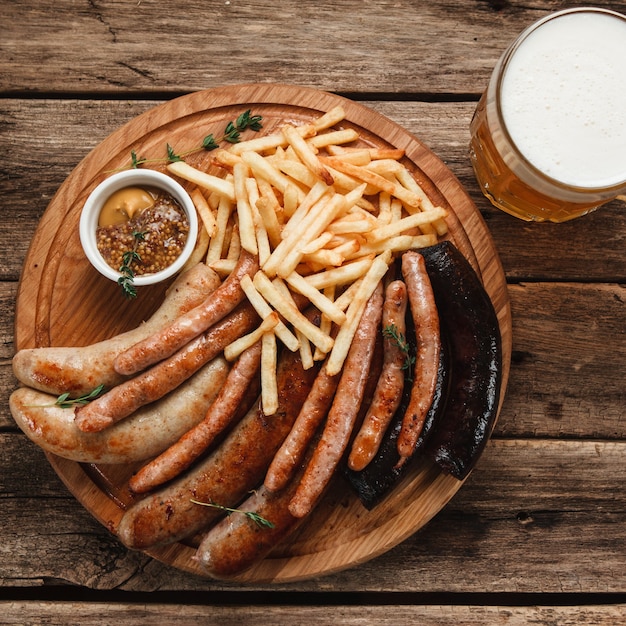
(343, 412)
(146, 433)
(78, 370)
(291, 453)
(124, 399)
(388, 393)
(179, 456)
(428, 340)
(166, 342)
(237, 542)
(226, 475)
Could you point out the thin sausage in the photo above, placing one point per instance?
(343, 412)
(124, 399)
(226, 475)
(388, 393)
(80, 369)
(428, 340)
(146, 433)
(291, 453)
(193, 443)
(185, 328)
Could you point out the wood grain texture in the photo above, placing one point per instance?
(359, 46)
(442, 615)
(536, 514)
(63, 301)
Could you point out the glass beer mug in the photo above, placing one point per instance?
(548, 137)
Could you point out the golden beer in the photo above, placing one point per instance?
(548, 137)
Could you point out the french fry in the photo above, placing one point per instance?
(324, 258)
(234, 349)
(263, 309)
(263, 168)
(330, 118)
(317, 298)
(340, 275)
(344, 337)
(207, 181)
(297, 170)
(204, 211)
(318, 243)
(400, 243)
(247, 231)
(290, 312)
(333, 138)
(223, 266)
(375, 180)
(306, 154)
(306, 353)
(406, 223)
(269, 389)
(199, 251)
(326, 324)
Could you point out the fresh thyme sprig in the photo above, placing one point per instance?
(392, 332)
(65, 402)
(259, 520)
(125, 281)
(232, 134)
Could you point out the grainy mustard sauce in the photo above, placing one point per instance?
(160, 218)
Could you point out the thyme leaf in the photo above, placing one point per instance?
(259, 520)
(125, 281)
(232, 134)
(391, 332)
(65, 402)
(172, 157)
(135, 160)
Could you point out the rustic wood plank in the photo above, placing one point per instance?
(130, 614)
(423, 47)
(378, 48)
(49, 138)
(536, 515)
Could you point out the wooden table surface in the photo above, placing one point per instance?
(538, 532)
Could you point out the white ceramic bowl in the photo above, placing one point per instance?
(129, 178)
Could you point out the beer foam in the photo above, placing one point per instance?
(563, 99)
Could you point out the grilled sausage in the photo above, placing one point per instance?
(179, 456)
(476, 361)
(293, 449)
(182, 330)
(388, 393)
(79, 370)
(143, 435)
(237, 542)
(154, 383)
(428, 339)
(226, 475)
(343, 412)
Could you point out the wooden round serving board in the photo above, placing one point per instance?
(62, 300)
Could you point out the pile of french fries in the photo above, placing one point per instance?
(326, 218)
